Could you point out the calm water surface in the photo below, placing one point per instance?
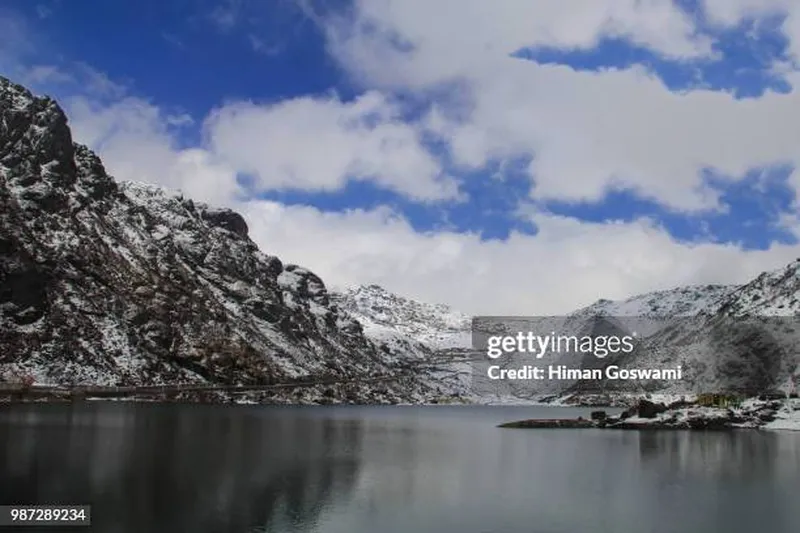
(196, 469)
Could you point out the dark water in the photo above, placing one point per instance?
(173, 468)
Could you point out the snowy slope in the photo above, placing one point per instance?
(434, 337)
(725, 338)
(774, 294)
(787, 418)
(122, 283)
(682, 301)
(675, 327)
(385, 315)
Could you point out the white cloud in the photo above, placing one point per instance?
(226, 15)
(588, 132)
(97, 83)
(452, 37)
(45, 74)
(318, 144)
(567, 264)
(137, 143)
(730, 13)
(306, 144)
(594, 131)
(262, 47)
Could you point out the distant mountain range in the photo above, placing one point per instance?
(726, 338)
(111, 283)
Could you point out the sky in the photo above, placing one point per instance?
(503, 157)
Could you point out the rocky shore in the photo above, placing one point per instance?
(682, 415)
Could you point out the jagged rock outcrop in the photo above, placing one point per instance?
(123, 283)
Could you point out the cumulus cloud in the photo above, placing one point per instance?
(591, 132)
(318, 144)
(308, 143)
(587, 132)
(568, 263)
(417, 42)
(138, 142)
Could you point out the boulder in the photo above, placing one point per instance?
(648, 409)
(598, 415)
(228, 220)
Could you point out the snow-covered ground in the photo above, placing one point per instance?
(787, 419)
(683, 416)
(383, 313)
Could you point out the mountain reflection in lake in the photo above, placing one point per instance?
(179, 468)
(197, 468)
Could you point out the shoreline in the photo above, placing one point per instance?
(765, 415)
(645, 415)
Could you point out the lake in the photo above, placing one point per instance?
(214, 468)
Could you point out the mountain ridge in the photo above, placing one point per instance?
(712, 313)
(106, 282)
(120, 283)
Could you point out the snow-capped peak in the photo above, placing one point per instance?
(436, 325)
(773, 293)
(679, 302)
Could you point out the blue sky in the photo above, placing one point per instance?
(182, 54)
(436, 109)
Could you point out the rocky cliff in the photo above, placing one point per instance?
(122, 283)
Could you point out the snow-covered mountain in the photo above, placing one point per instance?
(682, 301)
(392, 318)
(111, 283)
(385, 315)
(773, 294)
(104, 282)
(434, 338)
(699, 327)
(725, 338)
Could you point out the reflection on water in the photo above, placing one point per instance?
(151, 468)
(747, 455)
(166, 468)
(744, 480)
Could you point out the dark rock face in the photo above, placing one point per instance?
(648, 409)
(644, 409)
(120, 283)
(226, 219)
(550, 424)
